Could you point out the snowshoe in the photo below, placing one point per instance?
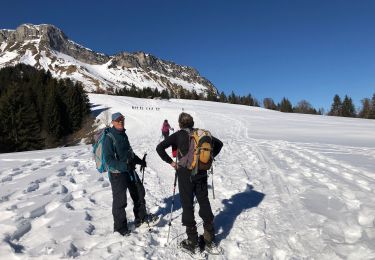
(210, 246)
(191, 248)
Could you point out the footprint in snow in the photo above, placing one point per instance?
(90, 229)
(68, 206)
(61, 172)
(67, 198)
(33, 186)
(72, 180)
(7, 178)
(88, 217)
(63, 190)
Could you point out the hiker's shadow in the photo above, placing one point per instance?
(233, 208)
(166, 210)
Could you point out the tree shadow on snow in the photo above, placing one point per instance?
(96, 112)
(233, 208)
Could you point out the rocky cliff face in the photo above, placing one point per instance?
(46, 46)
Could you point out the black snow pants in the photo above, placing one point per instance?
(190, 186)
(120, 182)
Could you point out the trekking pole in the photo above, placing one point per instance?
(174, 191)
(143, 168)
(213, 189)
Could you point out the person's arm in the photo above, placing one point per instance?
(217, 145)
(110, 156)
(160, 148)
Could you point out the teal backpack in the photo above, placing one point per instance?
(98, 153)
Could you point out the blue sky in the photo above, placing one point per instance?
(300, 49)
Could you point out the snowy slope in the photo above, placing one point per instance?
(287, 186)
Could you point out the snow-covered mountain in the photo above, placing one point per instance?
(287, 186)
(46, 46)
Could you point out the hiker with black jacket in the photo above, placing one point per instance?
(191, 185)
(121, 162)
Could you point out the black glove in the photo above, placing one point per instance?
(143, 163)
(136, 160)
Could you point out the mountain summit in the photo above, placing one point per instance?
(47, 47)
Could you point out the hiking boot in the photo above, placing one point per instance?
(124, 232)
(209, 245)
(189, 245)
(148, 219)
(209, 234)
(138, 222)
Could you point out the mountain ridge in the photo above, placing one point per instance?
(47, 47)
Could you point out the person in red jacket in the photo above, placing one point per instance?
(165, 129)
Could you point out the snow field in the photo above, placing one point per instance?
(287, 187)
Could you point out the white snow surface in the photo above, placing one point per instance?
(287, 186)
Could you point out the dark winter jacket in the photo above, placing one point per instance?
(118, 152)
(180, 141)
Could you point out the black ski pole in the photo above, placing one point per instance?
(143, 168)
(174, 192)
(143, 175)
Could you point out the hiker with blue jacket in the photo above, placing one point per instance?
(121, 161)
(191, 185)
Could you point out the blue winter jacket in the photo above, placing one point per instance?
(118, 151)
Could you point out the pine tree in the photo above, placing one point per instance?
(268, 103)
(348, 109)
(286, 106)
(53, 117)
(210, 96)
(223, 97)
(164, 94)
(7, 119)
(74, 108)
(29, 130)
(336, 108)
(33, 104)
(19, 121)
(366, 108)
(372, 108)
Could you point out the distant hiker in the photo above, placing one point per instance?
(121, 162)
(165, 129)
(190, 184)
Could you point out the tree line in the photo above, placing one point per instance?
(343, 108)
(182, 93)
(346, 107)
(36, 110)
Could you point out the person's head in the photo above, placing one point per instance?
(185, 120)
(165, 121)
(118, 121)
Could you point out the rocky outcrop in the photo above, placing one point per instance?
(29, 41)
(52, 38)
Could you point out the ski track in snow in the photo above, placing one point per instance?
(275, 198)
